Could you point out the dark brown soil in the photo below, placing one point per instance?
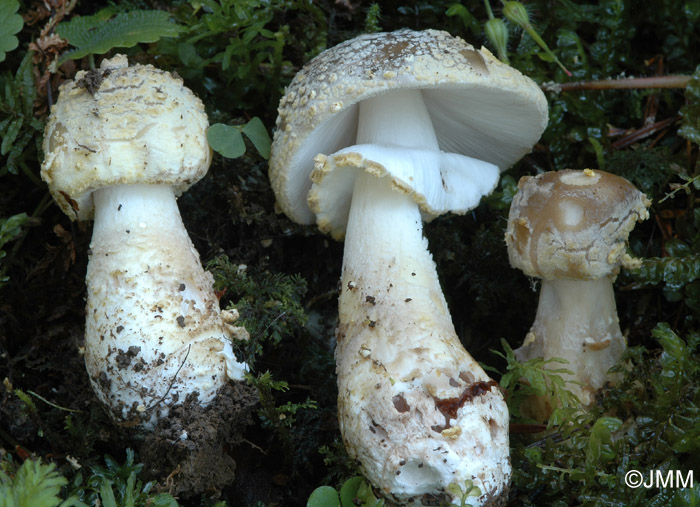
(190, 451)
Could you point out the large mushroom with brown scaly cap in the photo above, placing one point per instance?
(570, 229)
(122, 142)
(374, 136)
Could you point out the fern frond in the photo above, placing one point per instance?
(97, 35)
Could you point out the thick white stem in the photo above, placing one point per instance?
(388, 270)
(397, 118)
(414, 407)
(577, 320)
(384, 237)
(154, 330)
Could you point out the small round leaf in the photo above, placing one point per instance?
(257, 133)
(10, 24)
(325, 496)
(348, 492)
(226, 140)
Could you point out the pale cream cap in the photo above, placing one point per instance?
(122, 125)
(479, 106)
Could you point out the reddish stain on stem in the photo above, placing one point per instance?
(449, 406)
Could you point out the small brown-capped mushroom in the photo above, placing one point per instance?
(570, 229)
(374, 136)
(120, 144)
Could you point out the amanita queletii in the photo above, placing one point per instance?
(121, 143)
(570, 229)
(374, 136)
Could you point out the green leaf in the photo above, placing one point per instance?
(600, 445)
(107, 495)
(690, 113)
(348, 492)
(675, 350)
(599, 152)
(689, 443)
(10, 135)
(675, 271)
(226, 140)
(325, 496)
(188, 55)
(10, 24)
(536, 380)
(35, 484)
(257, 133)
(24, 79)
(95, 35)
(10, 228)
(501, 199)
(163, 500)
(77, 30)
(470, 22)
(687, 497)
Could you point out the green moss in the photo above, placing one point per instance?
(269, 304)
(650, 421)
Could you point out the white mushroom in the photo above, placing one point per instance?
(121, 143)
(374, 136)
(570, 229)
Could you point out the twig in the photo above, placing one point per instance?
(53, 404)
(254, 446)
(681, 186)
(270, 324)
(618, 84)
(189, 347)
(554, 437)
(644, 132)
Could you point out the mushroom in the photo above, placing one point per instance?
(570, 229)
(120, 144)
(374, 136)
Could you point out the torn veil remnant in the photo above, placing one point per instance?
(374, 136)
(570, 229)
(120, 150)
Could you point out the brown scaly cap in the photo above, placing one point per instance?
(479, 106)
(573, 224)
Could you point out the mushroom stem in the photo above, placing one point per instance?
(154, 330)
(577, 321)
(384, 244)
(397, 118)
(385, 223)
(414, 407)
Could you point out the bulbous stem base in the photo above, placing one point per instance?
(154, 330)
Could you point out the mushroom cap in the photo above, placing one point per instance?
(479, 107)
(573, 224)
(122, 125)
